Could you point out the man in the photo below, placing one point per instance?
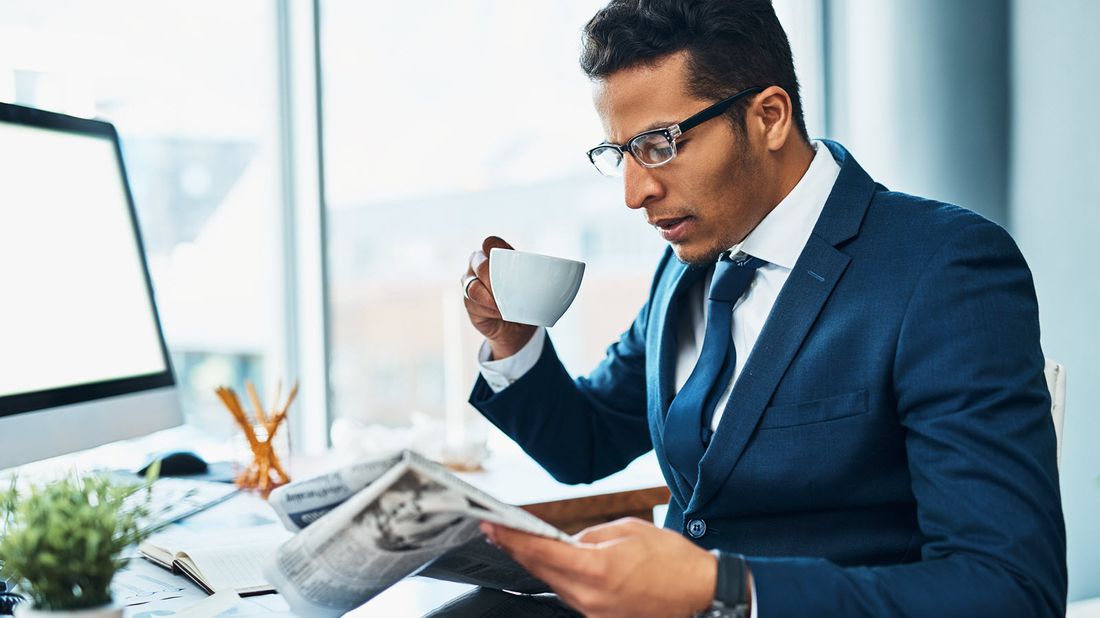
(843, 384)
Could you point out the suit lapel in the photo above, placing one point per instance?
(663, 323)
(811, 281)
(808, 287)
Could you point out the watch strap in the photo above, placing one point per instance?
(730, 594)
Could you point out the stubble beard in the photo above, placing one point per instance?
(743, 172)
(710, 257)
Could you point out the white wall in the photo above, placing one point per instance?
(918, 91)
(1055, 216)
(993, 105)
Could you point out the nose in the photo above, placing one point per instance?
(640, 184)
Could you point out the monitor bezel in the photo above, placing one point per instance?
(31, 401)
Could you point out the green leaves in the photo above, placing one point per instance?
(62, 540)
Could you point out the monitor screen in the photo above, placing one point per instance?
(77, 317)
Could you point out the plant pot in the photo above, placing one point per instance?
(114, 610)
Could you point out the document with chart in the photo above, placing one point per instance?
(365, 527)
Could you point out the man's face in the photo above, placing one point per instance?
(703, 201)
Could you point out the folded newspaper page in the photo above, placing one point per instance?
(365, 527)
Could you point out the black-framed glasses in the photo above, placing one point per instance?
(656, 147)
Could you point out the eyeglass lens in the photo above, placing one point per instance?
(651, 149)
(608, 160)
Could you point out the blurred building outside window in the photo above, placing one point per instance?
(192, 90)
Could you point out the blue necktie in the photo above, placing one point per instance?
(687, 426)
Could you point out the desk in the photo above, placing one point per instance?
(516, 479)
(414, 596)
(512, 477)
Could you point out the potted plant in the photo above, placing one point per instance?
(61, 542)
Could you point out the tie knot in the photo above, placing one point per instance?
(731, 277)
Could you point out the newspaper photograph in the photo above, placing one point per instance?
(300, 504)
(367, 526)
(414, 515)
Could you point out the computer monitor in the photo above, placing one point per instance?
(82, 356)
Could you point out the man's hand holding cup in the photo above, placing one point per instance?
(509, 293)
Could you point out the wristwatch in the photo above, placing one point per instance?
(730, 595)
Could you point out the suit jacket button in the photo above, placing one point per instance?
(696, 528)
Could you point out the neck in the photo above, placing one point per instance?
(779, 174)
(792, 162)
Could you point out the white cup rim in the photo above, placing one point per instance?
(541, 255)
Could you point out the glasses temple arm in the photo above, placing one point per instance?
(716, 109)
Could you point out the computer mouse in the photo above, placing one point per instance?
(177, 463)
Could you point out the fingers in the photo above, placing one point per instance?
(477, 291)
(478, 310)
(534, 550)
(481, 291)
(567, 569)
(479, 261)
(628, 567)
(466, 281)
(613, 530)
(494, 242)
(479, 266)
(477, 286)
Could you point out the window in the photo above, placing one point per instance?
(443, 124)
(192, 90)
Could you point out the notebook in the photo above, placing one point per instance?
(218, 560)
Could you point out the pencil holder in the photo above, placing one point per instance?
(268, 441)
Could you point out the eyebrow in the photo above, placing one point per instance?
(660, 124)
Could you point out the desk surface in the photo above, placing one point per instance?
(173, 594)
(513, 477)
(517, 479)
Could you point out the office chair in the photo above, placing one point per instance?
(1056, 383)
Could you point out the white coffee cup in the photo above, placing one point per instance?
(530, 288)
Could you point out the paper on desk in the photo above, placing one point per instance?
(267, 605)
(215, 604)
(140, 582)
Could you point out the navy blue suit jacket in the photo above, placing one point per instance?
(887, 450)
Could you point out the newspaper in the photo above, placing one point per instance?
(365, 527)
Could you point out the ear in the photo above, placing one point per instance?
(770, 117)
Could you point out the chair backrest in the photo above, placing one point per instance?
(1056, 383)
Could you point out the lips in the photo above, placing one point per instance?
(674, 229)
(668, 222)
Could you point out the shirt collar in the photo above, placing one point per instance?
(781, 236)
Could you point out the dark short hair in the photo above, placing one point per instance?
(731, 44)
